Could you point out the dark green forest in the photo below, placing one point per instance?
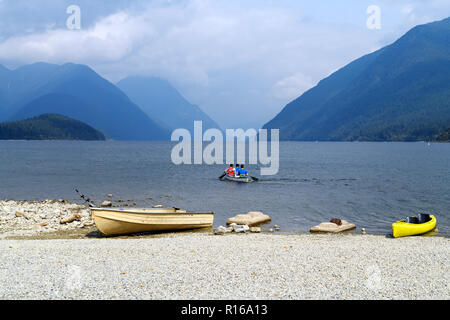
(49, 127)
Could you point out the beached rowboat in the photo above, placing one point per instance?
(125, 221)
(414, 225)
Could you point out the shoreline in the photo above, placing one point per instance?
(42, 219)
(234, 266)
(74, 261)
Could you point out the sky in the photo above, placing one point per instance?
(240, 61)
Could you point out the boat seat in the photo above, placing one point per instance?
(413, 220)
(424, 217)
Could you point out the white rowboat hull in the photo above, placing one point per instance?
(120, 221)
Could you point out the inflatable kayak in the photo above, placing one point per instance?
(412, 226)
(238, 179)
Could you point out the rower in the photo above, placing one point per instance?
(243, 172)
(237, 170)
(230, 170)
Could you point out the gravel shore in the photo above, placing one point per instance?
(232, 266)
(30, 218)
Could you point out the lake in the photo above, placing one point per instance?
(369, 184)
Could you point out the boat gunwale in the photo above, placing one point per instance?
(402, 223)
(149, 212)
(239, 179)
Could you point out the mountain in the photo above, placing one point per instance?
(398, 93)
(444, 136)
(78, 92)
(162, 102)
(49, 127)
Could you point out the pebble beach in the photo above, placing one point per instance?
(207, 266)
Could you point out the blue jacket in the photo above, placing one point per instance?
(243, 171)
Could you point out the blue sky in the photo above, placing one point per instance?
(240, 61)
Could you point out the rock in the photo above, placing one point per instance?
(363, 231)
(88, 223)
(106, 204)
(276, 227)
(255, 229)
(70, 219)
(43, 224)
(110, 195)
(336, 221)
(229, 229)
(19, 214)
(270, 230)
(158, 206)
(241, 228)
(220, 230)
(42, 216)
(252, 218)
(333, 227)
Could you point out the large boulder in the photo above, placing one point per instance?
(251, 219)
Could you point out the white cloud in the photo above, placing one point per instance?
(292, 86)
(261, 53)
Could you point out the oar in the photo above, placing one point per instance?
(220, 178)
(91, 204)
(254, 178)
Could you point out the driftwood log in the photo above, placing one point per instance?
(70, 219)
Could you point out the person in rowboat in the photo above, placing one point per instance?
(243, 172)
(230, 171)
(237, 170)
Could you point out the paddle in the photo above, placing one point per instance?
(254, 178)
(86, 200)
(220, 178)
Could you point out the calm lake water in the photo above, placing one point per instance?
(369, 184)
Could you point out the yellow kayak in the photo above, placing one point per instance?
(412, 226)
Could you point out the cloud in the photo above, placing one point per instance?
(292, 86)
(261, 53)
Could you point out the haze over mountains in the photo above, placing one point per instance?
(78, 92)
(163, 103)
(398, 93)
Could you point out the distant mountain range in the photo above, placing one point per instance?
(163, 103)
(78, 92)
(49, 127)
(398, 93)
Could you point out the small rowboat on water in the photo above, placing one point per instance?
(411, 226)
(125, 221)
(245, 179)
